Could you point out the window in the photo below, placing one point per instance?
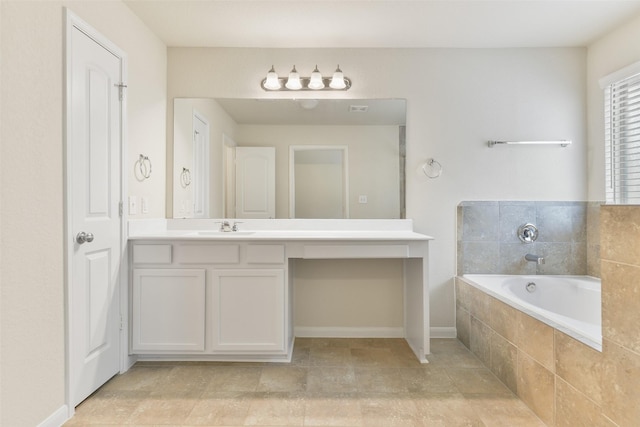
(622, 135)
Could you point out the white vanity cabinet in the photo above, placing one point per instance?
(216, 300)
(168, 310)
(248, 306)
(201, 294)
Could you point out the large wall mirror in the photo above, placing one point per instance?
(237, 158)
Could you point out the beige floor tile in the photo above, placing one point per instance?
(107, 407)
(332, 410)
(332, 382)
(283, 379)
(427, 379)
(380, 380)
(373, 357)
(477, 381)
(279, 409)
(331, 379)
(378, 409)
(503, 411)
(453, 354)
(139, 378)
(330, 356)
(161, 411)
(221, 409)
(445, 410)
(233, 378)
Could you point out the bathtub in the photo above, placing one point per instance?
(571, 304)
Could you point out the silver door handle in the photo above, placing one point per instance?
(83, 237)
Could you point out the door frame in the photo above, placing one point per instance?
(202, 177)
(345, 173)
(73, 21)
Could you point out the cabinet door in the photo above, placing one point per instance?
(168, 310)
(248, 311)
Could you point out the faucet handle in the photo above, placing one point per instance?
(235, 225)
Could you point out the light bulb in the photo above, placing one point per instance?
(337, 81)
(293, 82)
(316, 80)
(272, 82)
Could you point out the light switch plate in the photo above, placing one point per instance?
(362, 199)
(144, 204)
(133, 205)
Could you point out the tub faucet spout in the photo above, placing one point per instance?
(534, 258)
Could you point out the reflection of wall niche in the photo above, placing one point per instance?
(319, 183)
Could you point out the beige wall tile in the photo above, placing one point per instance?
(504, 361)
(620, 296)
(579, 365)
(536, 339)
(480, 341)
(463, 293)
(503, 319)
(480, 305)
(621, 385)
(536, 387)
(463, 326)
(575, 409)
(620, 233)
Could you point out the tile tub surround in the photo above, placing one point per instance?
(565, 382)
(330, 382)
(568, 237)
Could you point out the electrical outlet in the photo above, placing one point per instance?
(362, 199)
(133, 205)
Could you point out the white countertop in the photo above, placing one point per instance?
(291, 230)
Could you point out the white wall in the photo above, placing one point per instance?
(457, 99)
(608, 54)
(31, 173)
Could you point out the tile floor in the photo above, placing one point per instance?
(330, 382)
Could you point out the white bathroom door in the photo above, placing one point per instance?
(200, 166)
(93, 171)
(255, 182)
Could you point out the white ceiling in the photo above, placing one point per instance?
(382, 24)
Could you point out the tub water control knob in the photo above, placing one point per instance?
(83, 237)
(528, 233)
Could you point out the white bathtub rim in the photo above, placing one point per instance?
(593, 340)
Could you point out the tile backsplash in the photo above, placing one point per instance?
(488, 241)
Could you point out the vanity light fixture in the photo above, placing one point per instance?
(295, 82)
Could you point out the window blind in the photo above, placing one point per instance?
(622, 140)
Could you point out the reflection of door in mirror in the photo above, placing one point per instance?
(255, 182)
(229, 176)
(191, 166)
(319, 183)
(200, 173)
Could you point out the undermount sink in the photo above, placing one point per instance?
(225, 233)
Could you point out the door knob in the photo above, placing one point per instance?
(83, 237)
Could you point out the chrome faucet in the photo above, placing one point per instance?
(534, 258)
(225, 226)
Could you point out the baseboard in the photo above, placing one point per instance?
(339, 332)
(59, 417)
(443, 332)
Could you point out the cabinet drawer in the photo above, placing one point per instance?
(152, 254)
(207, 254)
(265, 254)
